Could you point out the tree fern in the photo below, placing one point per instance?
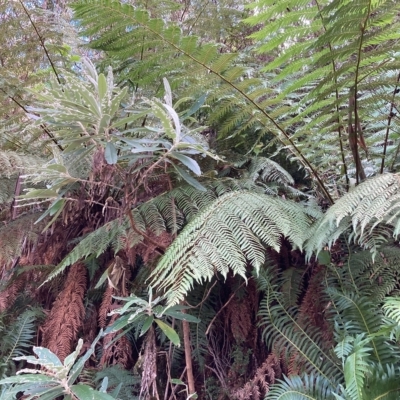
(337, 76)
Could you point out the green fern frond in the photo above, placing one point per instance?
(227, 236)
(382, 383)
(369, 204)
(17, 340)
(167, 212)
(305, 387)
(282, 330)
(356, 366)
(366, 319)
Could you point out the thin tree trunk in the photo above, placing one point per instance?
(188, 357)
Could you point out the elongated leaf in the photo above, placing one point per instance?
(146, 324)
(197, 185)
(102, 86)
(182, 316)
(187, 161)
(168, 331)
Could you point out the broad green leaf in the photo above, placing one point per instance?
(196, 106)
(40, 194)
(187, 161)
(56, 206)
(104, 385)
(45, 357)
(110, 154)
(169, 332)
(71, 358)
(115, 102)
(52, 394)
(104, 123)
(90, 101)
(28, 378)
(146, 324)
(84, 392)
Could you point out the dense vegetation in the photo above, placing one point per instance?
(199, 199)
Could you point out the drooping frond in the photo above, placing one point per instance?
(335, 71)
(356, 366)
(374, 202)
(167, 212)
(226, 236)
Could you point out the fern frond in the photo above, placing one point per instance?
(305, 387)
(227, 236)
(382, 383)
(282, 329)
(369, 204)
(167, 212)
(366, 319)
(356, 366)
(17, 340)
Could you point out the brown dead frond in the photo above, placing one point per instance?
(62, 325)
(105, 306)
(258, 387)
(10, 293)
(312, 308)
(149, 250)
